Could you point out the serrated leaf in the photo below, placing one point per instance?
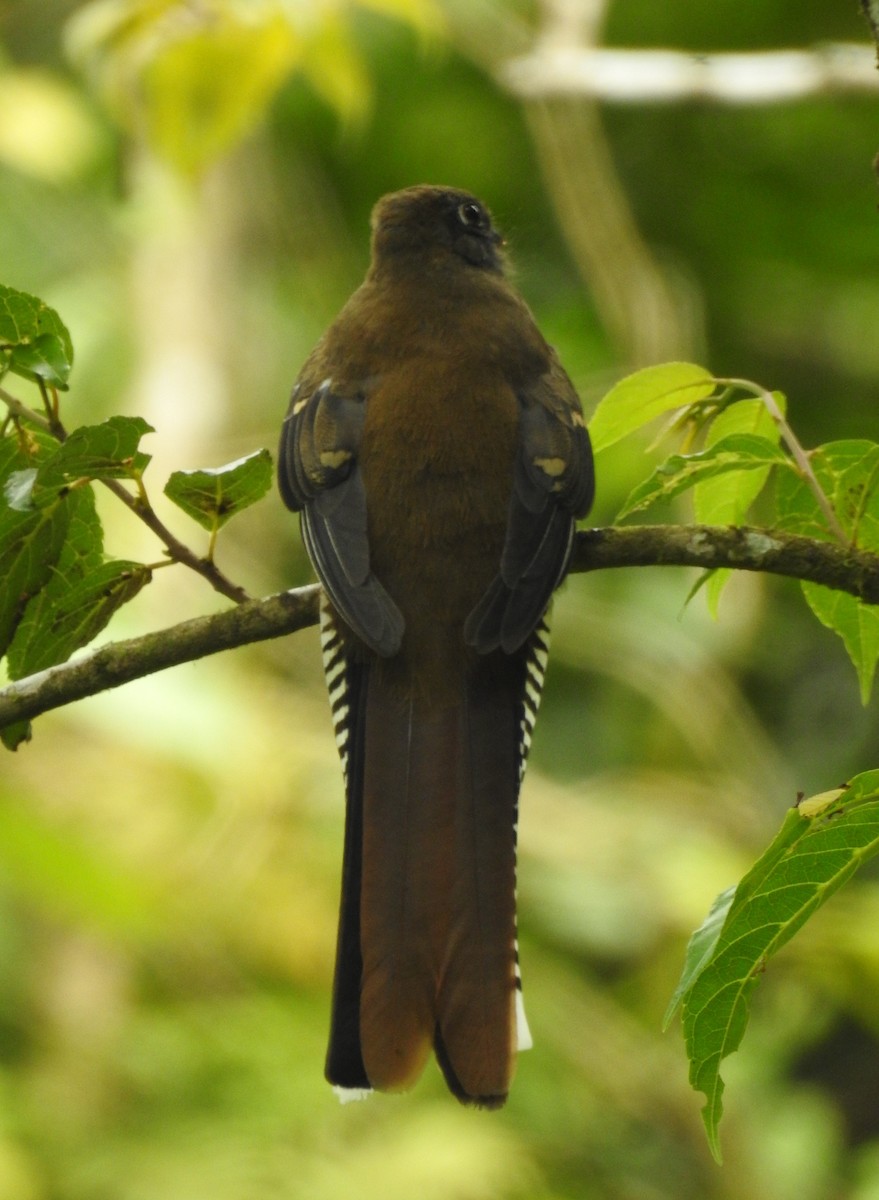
(106, 451)
(645, 395)
(81, 555)
(30, 545)
(212, 496)
(848, 472)
(736, 453)
(700, 948)
(856, 623)
(819, 846)
(34, 341)
(72, 618)
(727, 499)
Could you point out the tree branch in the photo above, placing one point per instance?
(630, 76)
(741, 548)
(120, 662)
(703, 546)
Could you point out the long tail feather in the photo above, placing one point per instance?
(430, 849)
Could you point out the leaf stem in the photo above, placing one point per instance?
(797, 452)
(180, 552)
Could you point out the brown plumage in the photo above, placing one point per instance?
(436, 451)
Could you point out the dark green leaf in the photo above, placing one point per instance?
(211, 497)
(819, 846)
(34, 341)
(30, 545)
(736, 453)
(81, 555)
(72, 616)
(106, 451)
(12, 736)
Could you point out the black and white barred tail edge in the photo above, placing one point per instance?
(336, 672)
(535, 673)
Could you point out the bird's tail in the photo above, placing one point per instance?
(427, 937)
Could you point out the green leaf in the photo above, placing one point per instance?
(81, 554)
(79, 598)
(193, 86)
(69, 617)
(736, 453)
(212, 496)
(334, 68)
(30, 545)
(12, 736)
(819, 846)
(639, 398)
(856, 623)
(848, 472)
(699, 950)
(193, 113)
(727, 499)
(106, 451)
(34, 341)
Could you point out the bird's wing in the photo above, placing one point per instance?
(319, 476)
(553, 484)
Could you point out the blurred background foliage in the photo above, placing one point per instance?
(190, 184)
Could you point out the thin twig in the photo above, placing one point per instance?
(18, 409)
(798, 454)
(140, 506)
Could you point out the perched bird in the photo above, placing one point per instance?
(436, 451)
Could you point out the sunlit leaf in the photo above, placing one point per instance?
(727, 500)
(18, 489)
(734, 454)
(210, 86)
(336, 71)
(645, 395)
(819, 846)
(212, 496)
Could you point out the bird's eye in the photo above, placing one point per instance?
(470, 215)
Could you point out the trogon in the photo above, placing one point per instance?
(436, 452)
